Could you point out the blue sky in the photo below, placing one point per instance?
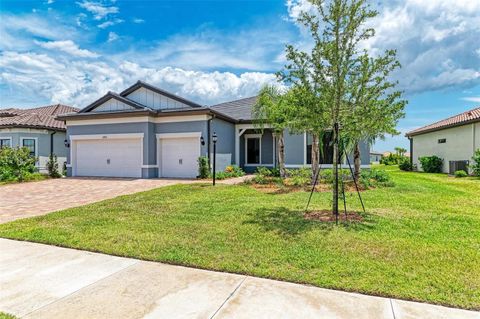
(73, 52)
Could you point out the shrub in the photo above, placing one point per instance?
(405, 164)
(203, 167)
(16, 164)
(264, 171)
(326, 175)
(52, 166)
(375, 178)
(476, 165)
(431, 164)
(229, 172)
(261, 179)
(300, 177)
(460, 173)
(392, 159)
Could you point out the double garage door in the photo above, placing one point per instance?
(108, 157)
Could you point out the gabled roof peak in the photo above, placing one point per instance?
(158, 90)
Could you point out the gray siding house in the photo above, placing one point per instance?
(146, 132)
(38, 130)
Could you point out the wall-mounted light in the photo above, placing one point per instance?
(67, 143)
(202, 141)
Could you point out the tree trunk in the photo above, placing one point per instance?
(315, 159)
(356, 161)
(281, 154)
(335, 170)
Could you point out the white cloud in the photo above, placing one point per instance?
(50, 1)
(426, 34)
(475, 99)
(109, 23)
(250, 49)
(296, 7)
(112, 36)
(98, 9)
(138, 20)
(67, 46)
(79, 82)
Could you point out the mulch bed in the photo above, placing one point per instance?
(327, 216)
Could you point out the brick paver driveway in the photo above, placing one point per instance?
(39, 198)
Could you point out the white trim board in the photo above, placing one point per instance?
(105, 136)
(25, 130)
(179, 135)
(139, 119)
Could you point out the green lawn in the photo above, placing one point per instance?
(420, 240)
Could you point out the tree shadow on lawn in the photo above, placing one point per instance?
(288, 223)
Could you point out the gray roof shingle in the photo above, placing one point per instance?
(241, 110)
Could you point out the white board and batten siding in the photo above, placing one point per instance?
(154, 100)
(113, 105)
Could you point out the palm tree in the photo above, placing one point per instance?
(270, 110)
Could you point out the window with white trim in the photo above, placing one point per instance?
(252, 149)
(30, 143)
(5, 142)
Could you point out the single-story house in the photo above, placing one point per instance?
(454, 139)
(147, 132)
(38, 130)
(375, 157)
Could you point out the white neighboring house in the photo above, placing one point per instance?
(38, 130)
(454, 139)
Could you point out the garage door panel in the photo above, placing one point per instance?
(179, 157)
(110, 158)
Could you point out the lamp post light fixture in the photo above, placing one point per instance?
(66, 143)
(214, 140)
(202, 140)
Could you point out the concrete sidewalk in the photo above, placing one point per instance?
(41, 281)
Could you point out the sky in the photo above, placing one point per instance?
(73, 52)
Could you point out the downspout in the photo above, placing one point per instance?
(411, 151)
(209, 124)
(51, 143)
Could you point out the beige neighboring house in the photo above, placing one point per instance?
(37, 129)
(454, 139)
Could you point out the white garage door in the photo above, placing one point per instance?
(179, 157)
(109, 157)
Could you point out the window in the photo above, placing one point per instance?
(5, 142)
(326, 151)
(252, 150)
(442, 140)
(30, 144)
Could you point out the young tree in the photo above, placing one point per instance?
(337, 29)
(376, 106)
(271, 109)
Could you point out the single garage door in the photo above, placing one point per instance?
(109, 157)
(179, 157)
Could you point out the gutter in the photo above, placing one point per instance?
(411, 152)
(410, 134)
(51, 143)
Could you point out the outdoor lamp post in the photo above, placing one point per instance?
(214, 140)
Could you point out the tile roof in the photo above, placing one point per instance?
(456, 120)
(39, 117)
(240, 110)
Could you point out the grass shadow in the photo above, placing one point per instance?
(290, 223)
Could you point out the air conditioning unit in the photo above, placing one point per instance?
(457, 166)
